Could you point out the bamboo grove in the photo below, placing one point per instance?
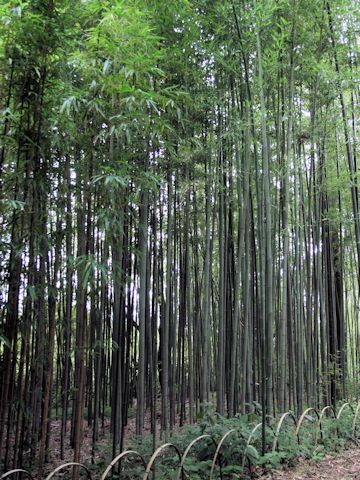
(179, 211)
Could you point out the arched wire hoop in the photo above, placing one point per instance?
(250, 437)
(342, 408)
(252, 433)
(322, 413)
(281, 421)
(181, 471)
(301, 420)
(121, 456)
(16, 470)
(356, 414)
(156, 453)
(216, 454)
(70, 464)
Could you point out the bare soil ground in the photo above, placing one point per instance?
(340, 466)
(104, 445)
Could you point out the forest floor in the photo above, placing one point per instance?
(343, 465)
(339, 466)
(103, 445)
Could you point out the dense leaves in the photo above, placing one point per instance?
(180, 217)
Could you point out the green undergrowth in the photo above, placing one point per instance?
(236, 458)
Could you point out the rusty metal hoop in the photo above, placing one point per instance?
(283, 416)
(181, 470)
(354, 421)
(302, 418)
(16, 470)
(156, 453)
(70, 464)
(119, 457)
(322, 413)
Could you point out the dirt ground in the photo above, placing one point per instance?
(341, 466)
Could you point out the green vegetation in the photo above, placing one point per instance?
(179, 216)
(237, 457)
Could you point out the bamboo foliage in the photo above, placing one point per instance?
(180, 219)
